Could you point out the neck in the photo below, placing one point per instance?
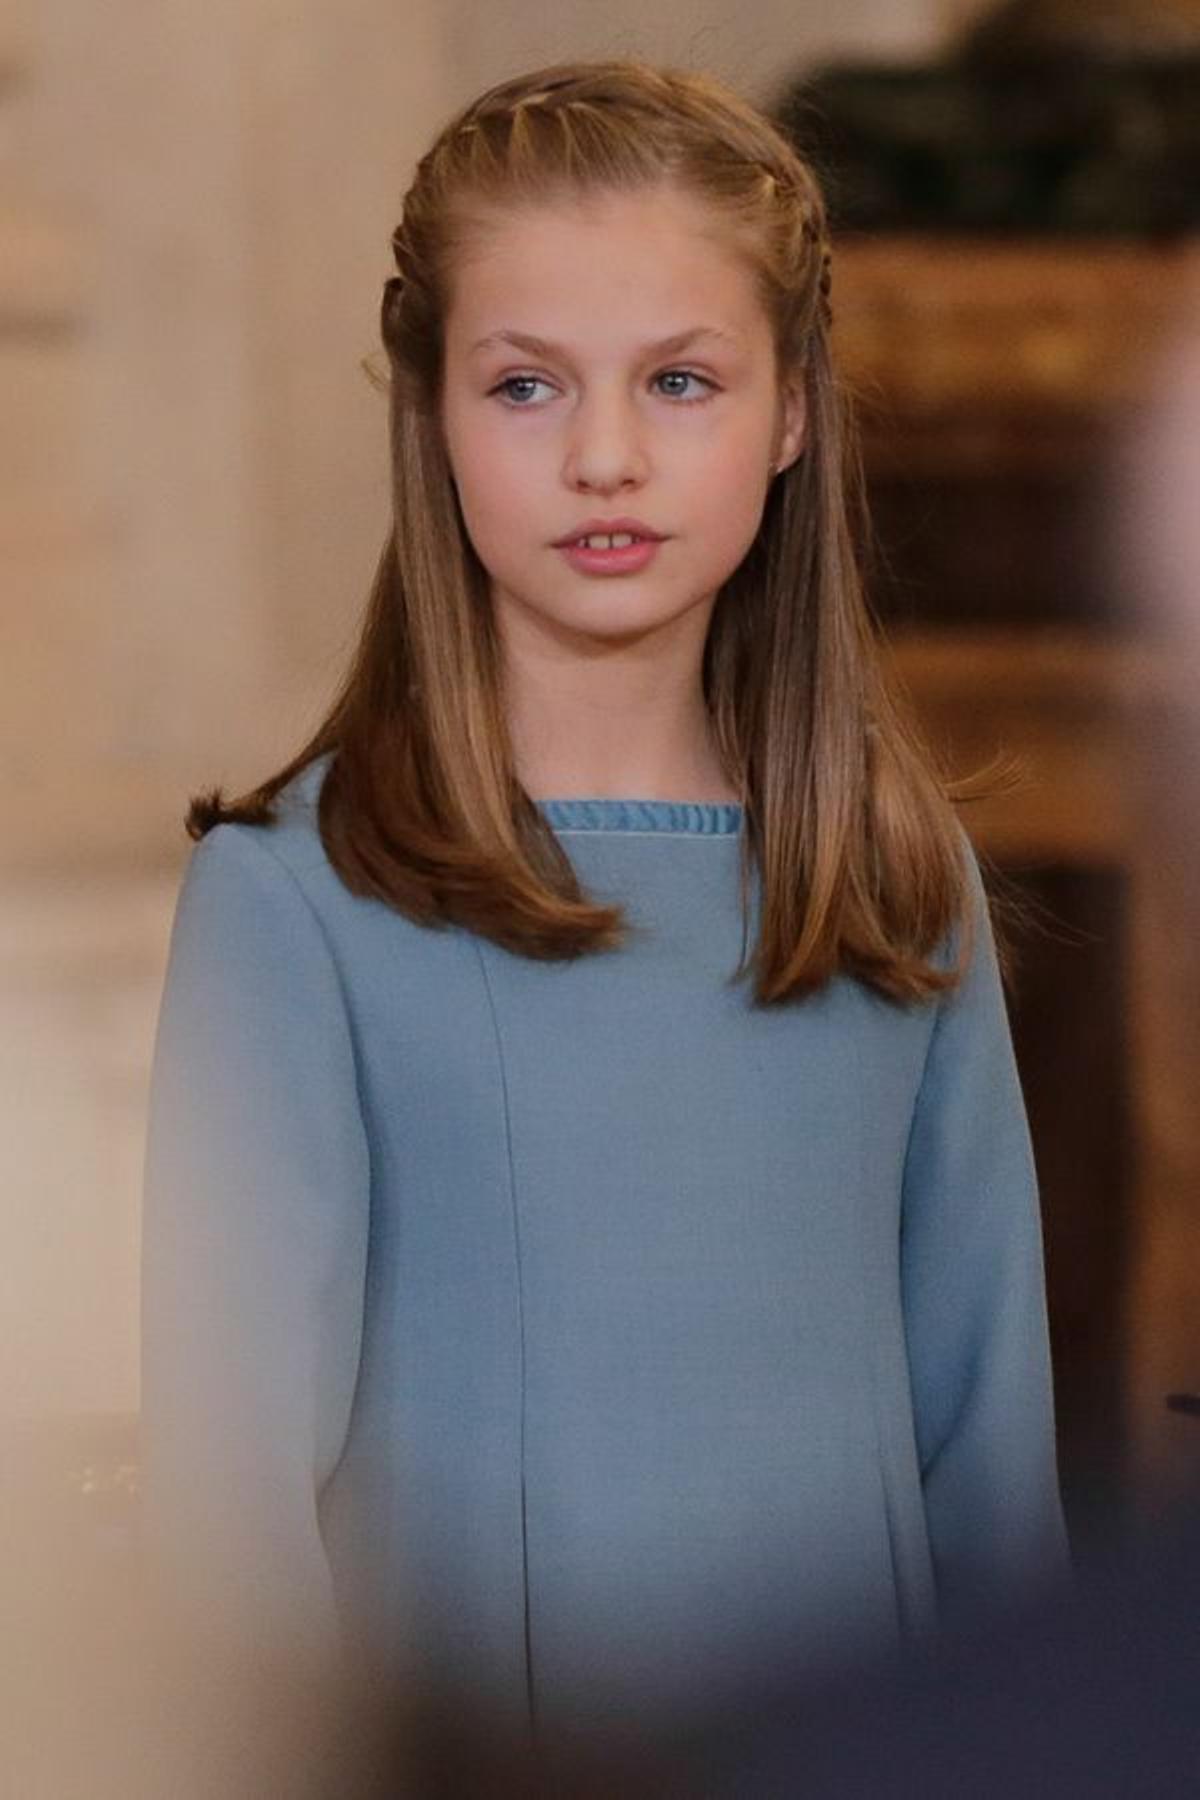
(593, 741)
(612, 720)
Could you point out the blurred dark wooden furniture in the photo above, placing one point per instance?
(992, 379)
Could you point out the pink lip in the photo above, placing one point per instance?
(628, 560)
(634, 527)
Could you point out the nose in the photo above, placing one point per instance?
(605, 451)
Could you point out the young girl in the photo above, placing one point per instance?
(591, 1244)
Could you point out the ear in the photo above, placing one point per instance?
(789, 441)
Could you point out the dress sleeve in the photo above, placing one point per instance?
(975, 1306)
(255, 1211)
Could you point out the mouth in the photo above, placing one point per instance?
(608, 534)
(609, 552)
(606, 540)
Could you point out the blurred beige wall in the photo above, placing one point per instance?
(202, 196)
(195, 202)
(753, 45)
(196, 198)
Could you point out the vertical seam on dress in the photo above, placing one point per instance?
(872, 1328)
(516, 1225)
(919, 1608)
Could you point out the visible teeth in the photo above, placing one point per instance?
(613, 540)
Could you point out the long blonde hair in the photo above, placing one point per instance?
(860, 856)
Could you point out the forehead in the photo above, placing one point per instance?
(583, 263)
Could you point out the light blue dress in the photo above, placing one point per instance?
(575, 1334)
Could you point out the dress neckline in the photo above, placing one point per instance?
(697, 818)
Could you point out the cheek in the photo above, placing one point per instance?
(500, 509)
(731, 488)
(501, 516)
(486, 461)
(735, 524)
(484, 476)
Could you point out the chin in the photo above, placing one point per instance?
(617, 624)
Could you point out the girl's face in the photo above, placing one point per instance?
(566, 406)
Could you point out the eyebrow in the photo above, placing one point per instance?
(536, 346)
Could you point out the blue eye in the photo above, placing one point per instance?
(511, 383)
(686, 375)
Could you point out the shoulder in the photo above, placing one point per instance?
(969, 1019)
(279, 877)
(252, 894)
(969, 943)
(285, 854)
(257, 936)
(975, 931)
